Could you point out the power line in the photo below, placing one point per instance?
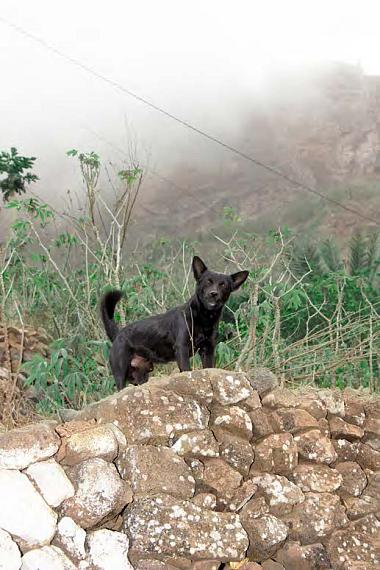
(217, 209)
(184, 123)
(159, 176)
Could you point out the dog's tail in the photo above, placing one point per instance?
(107, 310)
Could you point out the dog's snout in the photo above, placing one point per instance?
(213, 294)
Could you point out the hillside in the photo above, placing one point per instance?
(320, 127)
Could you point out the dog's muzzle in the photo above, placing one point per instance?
(213, 301)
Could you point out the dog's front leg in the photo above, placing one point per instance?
(182, 352)
(207, 354)
(183, 358)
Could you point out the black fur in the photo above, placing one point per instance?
(175, 335)
(107, 310)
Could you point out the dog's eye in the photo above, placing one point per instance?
(209, 281)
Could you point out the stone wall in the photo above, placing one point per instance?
(18, 345)
(198, 470)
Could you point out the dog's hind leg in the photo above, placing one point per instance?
(120, 376)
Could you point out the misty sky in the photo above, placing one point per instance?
(200, 59)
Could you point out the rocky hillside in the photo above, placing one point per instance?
(321, 127)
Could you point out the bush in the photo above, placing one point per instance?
(14, 175)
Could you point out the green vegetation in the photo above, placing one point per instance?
(14, 173)
(310, 312)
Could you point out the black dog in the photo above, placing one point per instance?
(175, 335)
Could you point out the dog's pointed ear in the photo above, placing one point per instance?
(198, 267)
(238, 279)
(137, 361)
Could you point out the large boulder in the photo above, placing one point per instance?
(70, 538)
(232, 419)
(46, 558)
(230, 387)
(163, 526)
(351, 545)
(293, 420)
(51, 480)
(313, 446)
(108, 550)
(354, 480)
(10, 557)
(197, 444)
(100, 493)
(293, 556)
(281, 494)
(266, 535)
(99, 441)
(316, 477)
(276, 453)
(22, 446)
(151, 415)
(221, 478)
(263, 380)
(316, 518)
(23, 512)
(152, 470)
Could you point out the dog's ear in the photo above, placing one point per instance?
(198, 267)
(238, 279)
(137, 361)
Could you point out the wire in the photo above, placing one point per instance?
(218, 209)
(183, 122)
(159, 176)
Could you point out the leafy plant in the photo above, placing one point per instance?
(15, 173)
(362, 258)
(66, 380)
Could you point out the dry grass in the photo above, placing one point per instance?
(15, 409)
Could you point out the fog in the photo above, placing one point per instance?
(207, 62)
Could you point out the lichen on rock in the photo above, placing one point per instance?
(192, 471)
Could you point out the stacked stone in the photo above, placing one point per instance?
(18, 346)
(196, 470)
(24, 343)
